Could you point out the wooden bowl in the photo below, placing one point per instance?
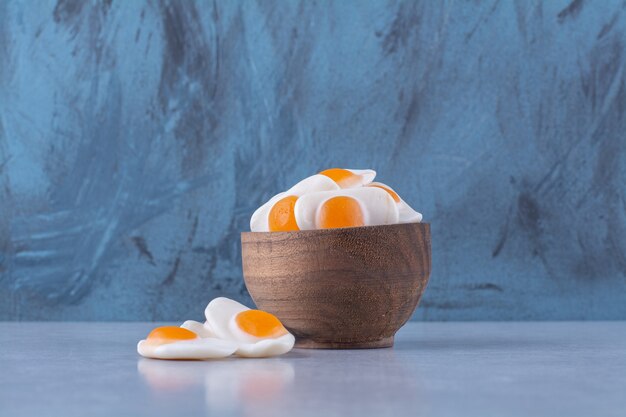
(339, 288)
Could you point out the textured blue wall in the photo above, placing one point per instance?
(136, 139)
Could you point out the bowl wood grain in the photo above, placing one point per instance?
(339, 288)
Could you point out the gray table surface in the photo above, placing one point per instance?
(435, 369)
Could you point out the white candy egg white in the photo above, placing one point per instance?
(260, 218)
(200, 348)
(267, 347)
(221, 316)
(218, 314)
(377, 205)
(367, 176)
(405, 213)
(201, 329)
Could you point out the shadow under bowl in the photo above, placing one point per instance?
(339, 288)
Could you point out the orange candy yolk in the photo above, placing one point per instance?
(391, 192)
(282, 217)
(340, 211)
(342, 177)
(260, 324)
(170, 334)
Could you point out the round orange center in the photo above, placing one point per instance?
(260, 324)
(169, 334)
(282, 217)
(342, 177)
(340, 211)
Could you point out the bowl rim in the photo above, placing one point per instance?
(335, 230)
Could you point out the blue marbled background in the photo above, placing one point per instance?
(137, 137)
